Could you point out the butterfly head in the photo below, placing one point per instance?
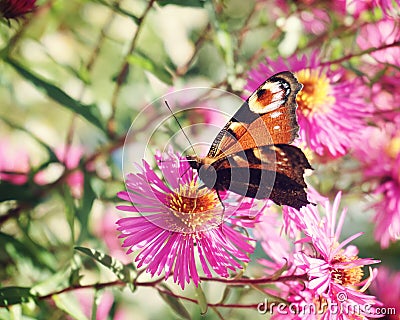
(194, 162)
(206, 171)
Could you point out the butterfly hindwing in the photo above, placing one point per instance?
(273, 171)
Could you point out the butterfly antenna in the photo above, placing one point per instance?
(177, 121)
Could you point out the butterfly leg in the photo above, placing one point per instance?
(223, 206)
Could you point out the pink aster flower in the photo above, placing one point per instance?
(181, 224)
(314, 15)
(379, 156)
(331, 108)
(390, 297)
(390, 8)
(330, 284)
(14, 164)
(14, 9)
(292, 221)
(280, 250)
(315, 20)
(356, 7)
(385, 97)
(334, 270)
(378, 34)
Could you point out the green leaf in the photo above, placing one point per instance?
(14, 295)
(52, 155)
(20, 251)
(96, 302)
(279, 272)
(175, 304)
(225, 295)
(53, 282)
(201, 299)
(69, 305)
(23, 192)
(123, 272)
(16, 312)
(185, 3)
(70, 210)
(140, 60)
(5, 314)
(224, 43)
(85, 208)
(88, 112)
(75, 277)
(115, 7)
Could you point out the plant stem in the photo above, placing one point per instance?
(123, 73)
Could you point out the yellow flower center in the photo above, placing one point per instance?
(195, 209)
(393, 147)
(315, 95)
(347, 277)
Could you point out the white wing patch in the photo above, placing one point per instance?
(274, 94)
(275, 114)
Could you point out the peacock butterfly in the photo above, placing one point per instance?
(252, 155)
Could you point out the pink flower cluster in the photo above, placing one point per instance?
(378, 145)
(332, 271)
(338, 112)
(379, 157)
(172, 232)
(176, 229)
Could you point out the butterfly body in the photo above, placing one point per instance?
(251, 155)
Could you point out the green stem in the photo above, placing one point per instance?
(367, 51)
(111, 126)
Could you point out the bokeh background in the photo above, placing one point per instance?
(75, 75)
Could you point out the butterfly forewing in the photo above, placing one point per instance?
(267, 117)
(251, 155)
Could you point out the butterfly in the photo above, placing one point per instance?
(252, 155)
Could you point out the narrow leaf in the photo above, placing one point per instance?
(201, 299)
(14, 295)
(225, 295)
(52, 155)
(114, 6)
(140, 60)
(123, 272)
(75, 277)
(175, 304)
(69, 305)
(279, 272)
(86, 206)
(95, 305)
(70, 211)
(186, 3)
(23, 250)
(23, 193)
(88, 112)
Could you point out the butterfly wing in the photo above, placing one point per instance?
(268, 116)
(272, 171)
(251, 155)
